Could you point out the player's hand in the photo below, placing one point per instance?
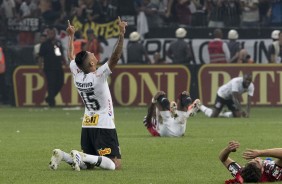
(244, 114)
(251, 154)
(71, 29)
(122, 25)
(233, 145)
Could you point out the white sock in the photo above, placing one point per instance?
(226, 114)
(100, 161)
(68, 159)
(207, 111)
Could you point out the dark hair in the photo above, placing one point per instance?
(251, 173)
(80, 57)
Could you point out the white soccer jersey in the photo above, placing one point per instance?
(95, 93)
(234, 85)
(168, 126)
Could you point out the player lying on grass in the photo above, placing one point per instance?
(229, 94)
(79, 160)
(257, 169)
(168, 119)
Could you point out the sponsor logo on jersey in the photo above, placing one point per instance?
(105, 151)
(84, 85)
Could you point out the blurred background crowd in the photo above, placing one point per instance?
(157, 13)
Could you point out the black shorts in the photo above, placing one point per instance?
(220, 102)
(99, 141)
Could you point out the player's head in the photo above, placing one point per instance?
(252, 171)
(86, 61)
(247, 80)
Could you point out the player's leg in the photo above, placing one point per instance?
(98, 161)
(194, 107)
(58, 156)
(103, 142)
(183, 101)
(231, 106)
(150, 120)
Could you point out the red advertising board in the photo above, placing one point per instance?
(267, 79)
(130, 85)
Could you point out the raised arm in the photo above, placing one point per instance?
(224, 154)
(71, 31)
(274, 152)
(119, 45)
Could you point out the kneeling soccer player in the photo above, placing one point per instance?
(168, 119)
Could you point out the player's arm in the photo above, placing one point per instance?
(235, 98)
(224, 154)
(119, 45)
(274, 152)
(71, 31)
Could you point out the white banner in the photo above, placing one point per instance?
(257, 48)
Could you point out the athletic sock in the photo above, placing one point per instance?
(100, 161)
(207, 111)
(67, 158)
(226, 114)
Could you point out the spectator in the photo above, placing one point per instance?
(218, 50)
(179, 51)
(2, 75)
(109, 10)
(264, 6)
(237, 54)
(93, 45)
(51, 55)
(36, 47)
(215, 10)
(48, 15)
(157, 59)
(275, 50)
(8, 8)
(136, 53)
(151, 11)
(232, 12)
(275, 13)
(183, 12)
(250, 14)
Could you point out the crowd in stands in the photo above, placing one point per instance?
(158, 13)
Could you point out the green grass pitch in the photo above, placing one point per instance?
(28, 136)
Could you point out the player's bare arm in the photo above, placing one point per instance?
(224, 154)
(274, 152)
(71, 31)
(235, 98)
(119, 45)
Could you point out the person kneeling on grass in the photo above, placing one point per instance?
(229, 94)
(168, 119)
(79, 160)
(257, 169)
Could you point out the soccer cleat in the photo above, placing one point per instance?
(185, 99)
(57, 156)
(76, 158)
(194, 107)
